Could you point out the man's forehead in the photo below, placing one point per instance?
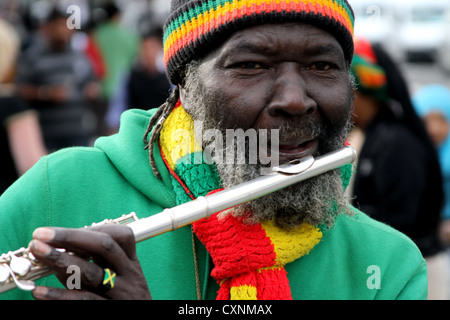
(264, 39)
(265, 35)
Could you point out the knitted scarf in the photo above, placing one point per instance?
(249, 259)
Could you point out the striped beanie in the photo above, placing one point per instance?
(370, 77)
(194, 27)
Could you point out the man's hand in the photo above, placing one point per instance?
(92, 250)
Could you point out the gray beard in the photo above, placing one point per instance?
(317, 201)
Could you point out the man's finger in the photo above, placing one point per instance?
(122, 234)
(47, 293)
(91, 275)
(84, 242)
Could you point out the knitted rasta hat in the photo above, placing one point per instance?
(196, 26)
(370, 77)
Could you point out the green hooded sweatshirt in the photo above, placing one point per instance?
(358, 258)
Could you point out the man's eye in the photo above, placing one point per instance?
(322, 66)
(250, 65)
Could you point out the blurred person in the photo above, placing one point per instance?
(60, 84)
(118, 46)
(93, 52)
(20, 135)
(432, 103)
(398, 179)
(90, 48)
(146, 86)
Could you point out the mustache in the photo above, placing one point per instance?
(330, 136)
(304, 128)
(291, 130)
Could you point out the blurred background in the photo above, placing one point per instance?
(396, 101)
(136, 14)
(415, 33)
(120, 39)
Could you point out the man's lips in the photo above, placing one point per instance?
(292, 151)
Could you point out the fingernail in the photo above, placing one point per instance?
(43, 234)
(40, 292)
(40, 248)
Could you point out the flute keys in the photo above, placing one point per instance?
(20, 266)
(4, 274)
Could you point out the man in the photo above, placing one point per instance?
(146, 85)
(277, 65)
(59, 83)
(119, 47)
(20, 134)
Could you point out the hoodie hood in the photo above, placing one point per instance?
(126, 151)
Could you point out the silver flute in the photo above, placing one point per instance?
(20, 268)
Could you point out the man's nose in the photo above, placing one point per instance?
(290, 95)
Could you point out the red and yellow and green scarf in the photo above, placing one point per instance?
(249, 259)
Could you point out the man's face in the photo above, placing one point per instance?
(278, 76)
(437, 127)
(58, 34)
(290, 77)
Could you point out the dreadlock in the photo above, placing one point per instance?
(157, 121)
